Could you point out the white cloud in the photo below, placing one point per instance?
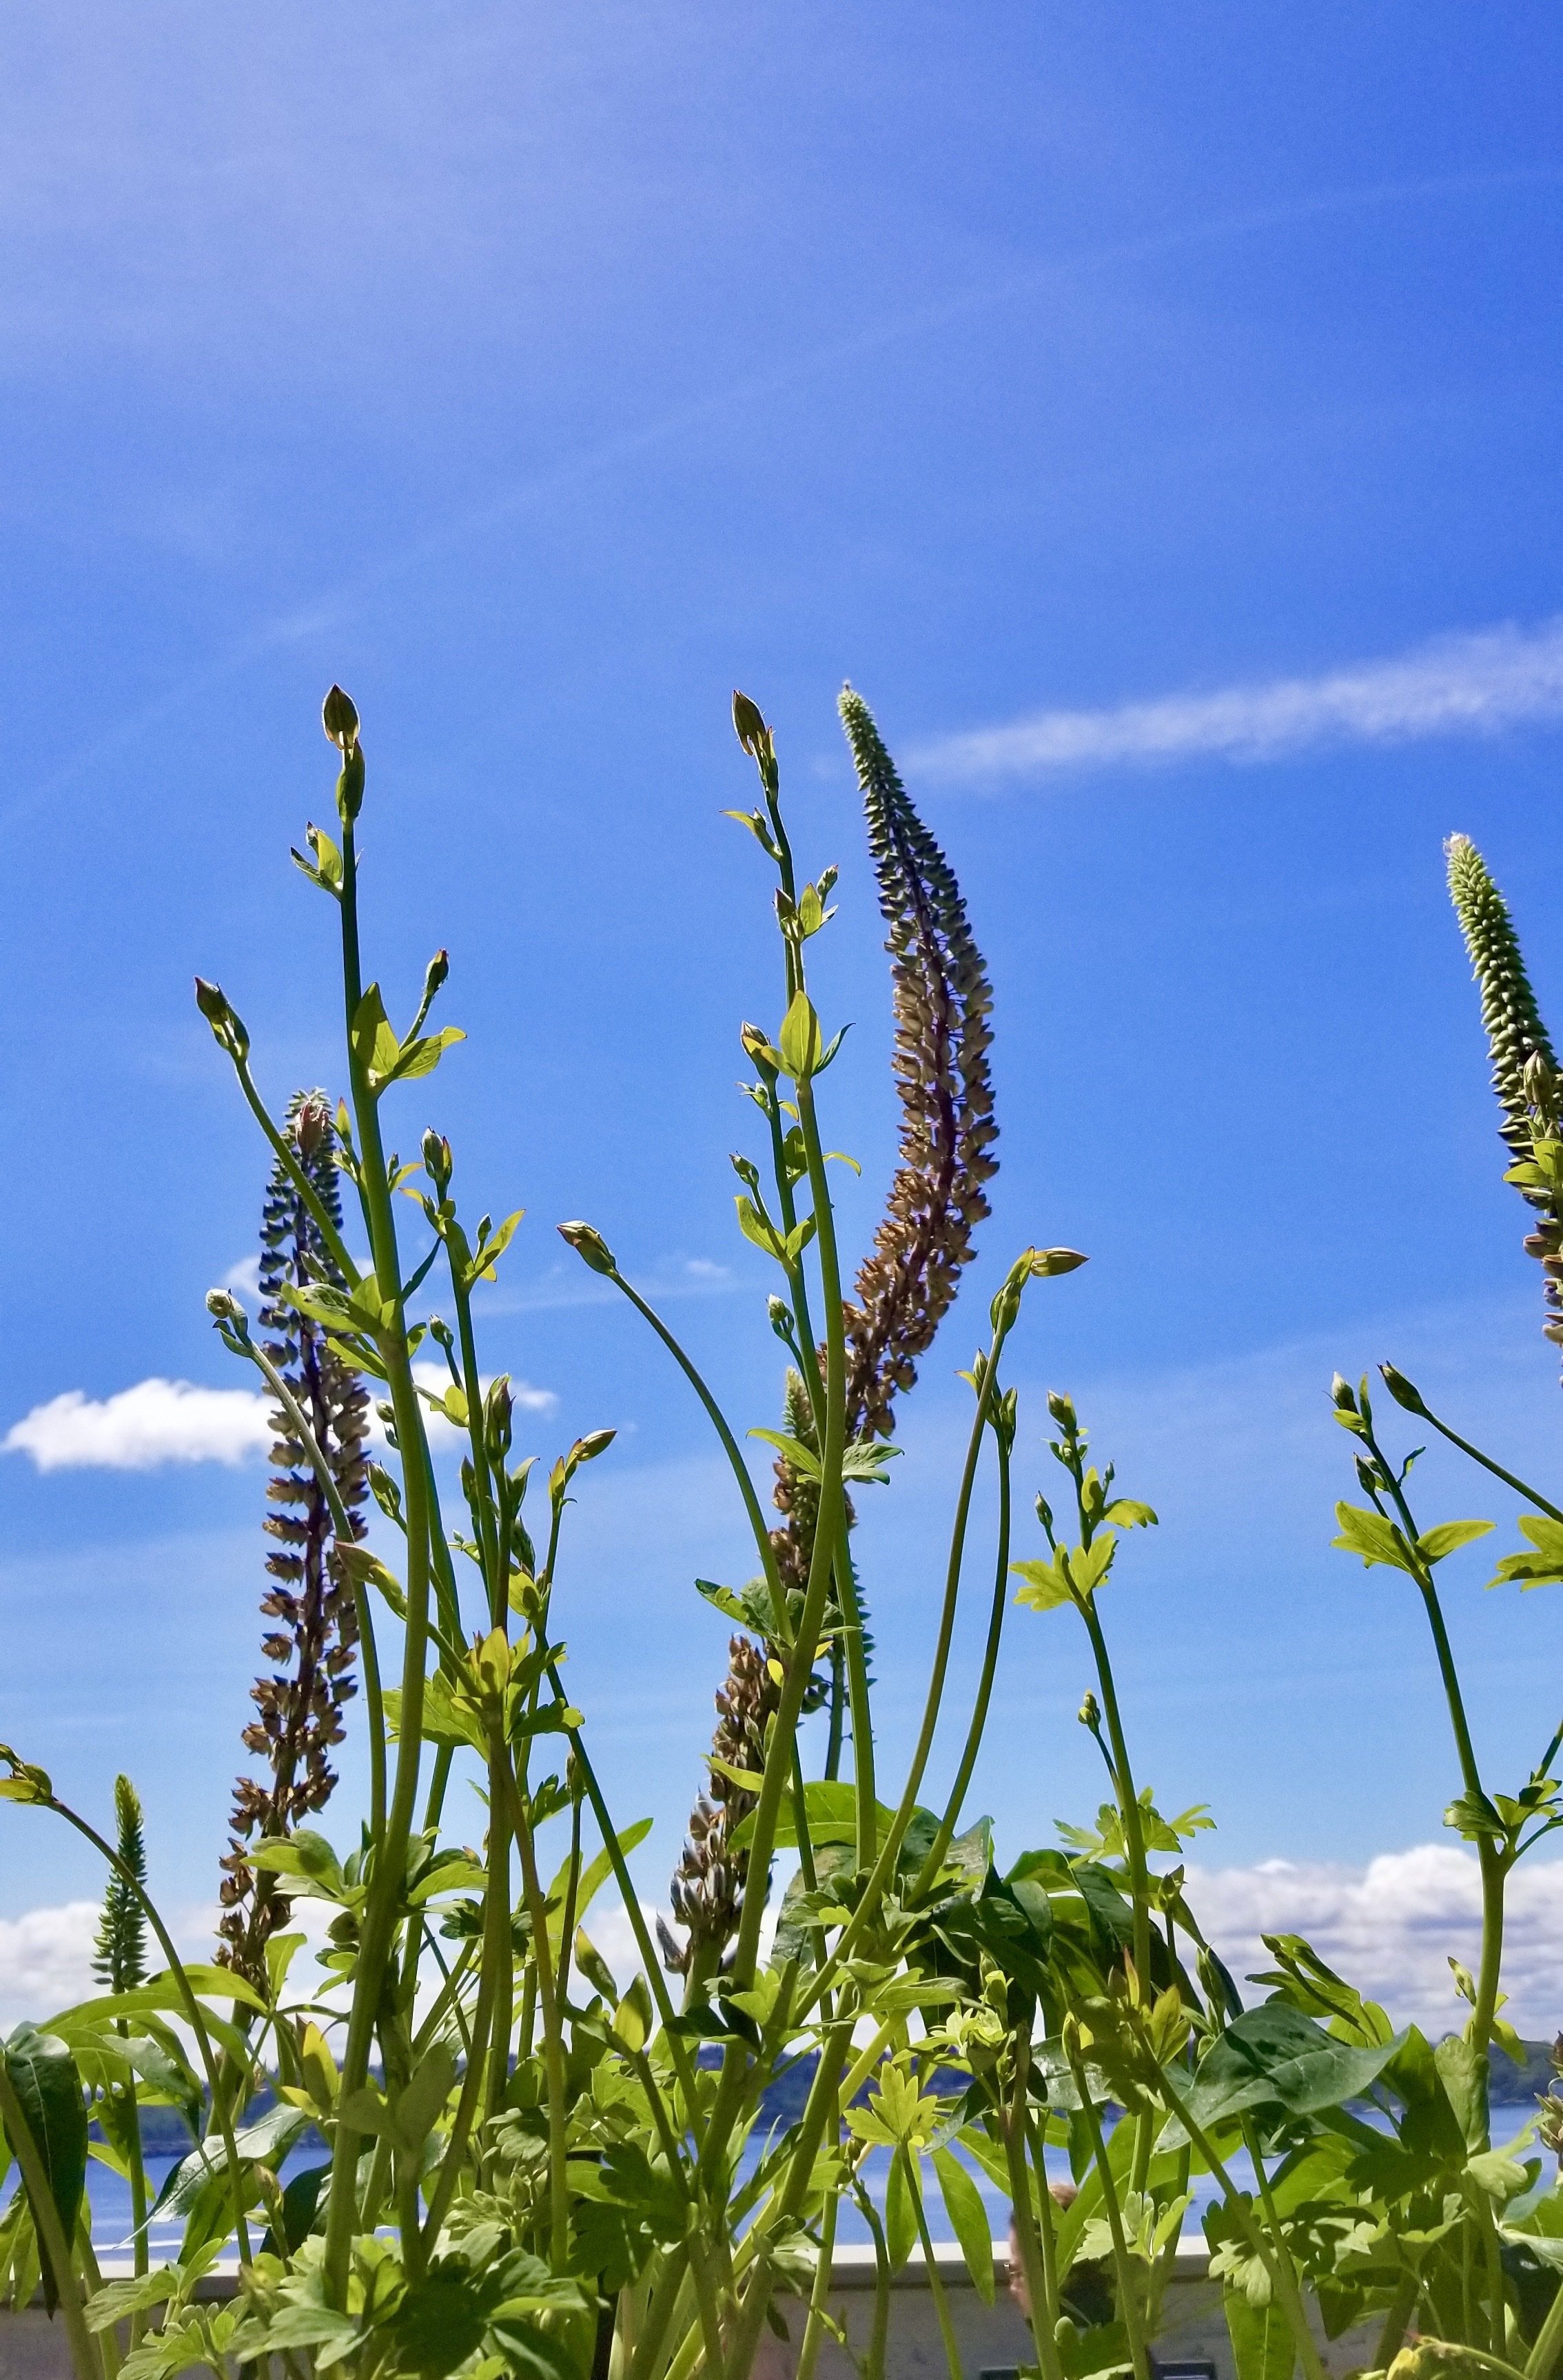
(157, 1421)
(1457, 685)
(173, 1421)
(1390, 1928)
(46, 1956)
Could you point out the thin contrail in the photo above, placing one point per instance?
(1467, 684)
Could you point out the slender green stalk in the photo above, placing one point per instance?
(1128, 2305)
(381, 1910)
(931, 2265)
(974, 1734)
(872, 2366)
(729, 1446)
(1542, 2360)
(1275, 2259)
(819, 2294)
(552, 2026)
(884, 1867)
(1042, 2295)
(51, 2232)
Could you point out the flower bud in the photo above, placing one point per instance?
(749, 725)
(437, 1160)
(757, 1050)
(498, 1408)
(311, 1128)
(1405, 1393)
(340, 720)
(1342, 1396)
(780, 1315)
(1047, 1262)
(589, 1245)
(1089, 1713)
(435, 974)
(1063, 1413)
(1539, 1081)
(226, 1027)
(224, 1307)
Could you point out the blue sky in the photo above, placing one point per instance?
(1154, 412)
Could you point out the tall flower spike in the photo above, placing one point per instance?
(708, 1884)
(943, 1001)
(119, 1957)
(312, 1616)
(1524, 1068)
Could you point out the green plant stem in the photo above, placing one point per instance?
(287, 1157)
(830, 1523)
(879, 2336)
(884, 1865)
(729, 1446)
(650, 1963)
(552, 2027)
(1397, 2313)
(1490, 1858)
(1040, 2291)
(664, 2306)
(819, 2294)
(1520, 1487)
(1135, 1847)
(471, 2082)
(51, 2232)
(974, 1732)
(386, 1881)
(931, 2264)
(1542, 2358)
(192, 2011)
(1122, 2265)
(1277, 2259)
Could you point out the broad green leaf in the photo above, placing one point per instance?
(43, 2075)
(1434, 1545)
(1276, 2056)
(374, 1044)
(116, 2300)
(1261, 2337)
(1127, 1514)
(1046, 1584)
(831, 1809)
(1372, 1537)
(419, 1057)
(758, 1227)
(969, 2220)
(418, 2107)
(593, 1878)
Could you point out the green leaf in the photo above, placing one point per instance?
(1372, 1537)
(374, 1044)
(803, 1458)
(43, 2075)
(1276, 2056)
(800, 1042)
(593, 1877)
(1046, 1584)
(757, 1226)
(831, 1808)
(900, 2214)
(1542, 1568)
(1127, 1514)
(493, 1249)
(116, 2300)
(1449, 1537)
(969, 2220)
(1263, 2347)
(419, 1057)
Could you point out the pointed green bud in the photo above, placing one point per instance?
(437, 1163)
(1405, 1393)
(340, 720)
(780, 1315)
(589, 1245)
(1342, 1396)
(1062, 1410)
(758, 1050)
(1089, 1713)
(749, 725)
(227, 1028)
(1047, 1263)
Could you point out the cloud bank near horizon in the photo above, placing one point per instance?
(1389, 1927)
(1470, 685)
(174, 1421)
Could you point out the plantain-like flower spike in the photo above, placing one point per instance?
(1524, 1068)
(119, 1955)
(708, 1884)
(309, 1605)
(943, 1001)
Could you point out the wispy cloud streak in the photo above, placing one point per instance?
(1476, 685)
